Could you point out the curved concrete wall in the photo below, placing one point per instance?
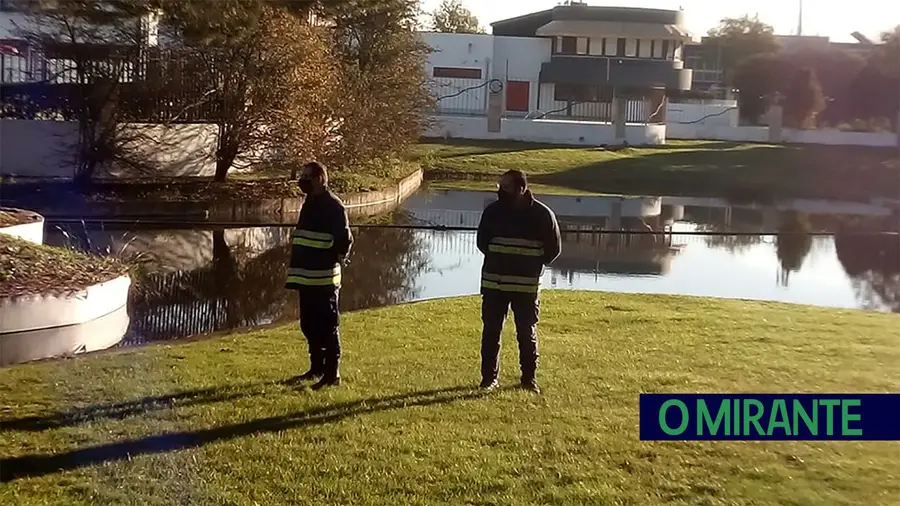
(37, 312)
(33, 231)
(57, 342)
(237, 211)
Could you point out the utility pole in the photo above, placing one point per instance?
(800, 20)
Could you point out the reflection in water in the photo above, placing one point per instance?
(240, 287)
(792, 244)
(206, 280)
(873, 264)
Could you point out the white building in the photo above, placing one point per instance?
(570, 61)
(20, 62)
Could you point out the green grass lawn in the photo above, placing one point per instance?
(214, 422)
(690, 168)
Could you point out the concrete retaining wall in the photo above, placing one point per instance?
(788, 135)
(239, 211)
(32, 231)
(35, 327)
(42, 311)
(95, 335)
(577, 133)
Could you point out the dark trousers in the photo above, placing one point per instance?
(320, 322)
(494, 307)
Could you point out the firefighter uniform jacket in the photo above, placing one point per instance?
(517, 242)
(320, 243)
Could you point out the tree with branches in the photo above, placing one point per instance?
(452, 17)
(271, 79)
(737, 39)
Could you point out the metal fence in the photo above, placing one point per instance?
(469, 97)
(150, 85)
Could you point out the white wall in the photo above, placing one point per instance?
(700, 131)
(761, 134)
(34, 148)
(520, 59)
(12, 23)
(703, 114)
(839, 138)
(545, 131)
(460, 50)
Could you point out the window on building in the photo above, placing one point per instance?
(620, 47)
(631, 47)
(670, 49)
(657, 49)
(610, 46)
(456, 72)
(596, 46)
(678, 48)
(571, 45)
(566, 45)
(581, 45)
(645, 49)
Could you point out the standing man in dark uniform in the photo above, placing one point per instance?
(320, 245)
(519, 236)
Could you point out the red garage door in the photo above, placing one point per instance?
(517, 96)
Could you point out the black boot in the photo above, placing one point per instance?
(316, 367)
(311, 374)
(530, 383)
(331, 377)
(489, 384)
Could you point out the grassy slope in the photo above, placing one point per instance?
(8, 219)
(708, 168)
(407, 429)
(28, 268)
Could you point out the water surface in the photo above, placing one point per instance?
(204, 280)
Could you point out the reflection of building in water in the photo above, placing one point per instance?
(723, 214)
(617, 253)
(452, 208)
(620, 253)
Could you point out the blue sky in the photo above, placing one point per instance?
(821, 17)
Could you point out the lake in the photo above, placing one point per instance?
(202, 280)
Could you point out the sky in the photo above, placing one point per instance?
(837, 21)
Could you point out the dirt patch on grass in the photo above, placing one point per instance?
(28, 269)
(10, 217)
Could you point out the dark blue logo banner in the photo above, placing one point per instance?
(759, 417)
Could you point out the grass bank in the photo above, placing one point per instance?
(258, 185)
(11, 217)
(680, 168)
(27, 268)
(216, 422)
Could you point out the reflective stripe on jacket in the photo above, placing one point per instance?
(517, 242)
(320, 243)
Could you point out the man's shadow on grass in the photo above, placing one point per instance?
(144, 405)
(14, 468)
(122, 410)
